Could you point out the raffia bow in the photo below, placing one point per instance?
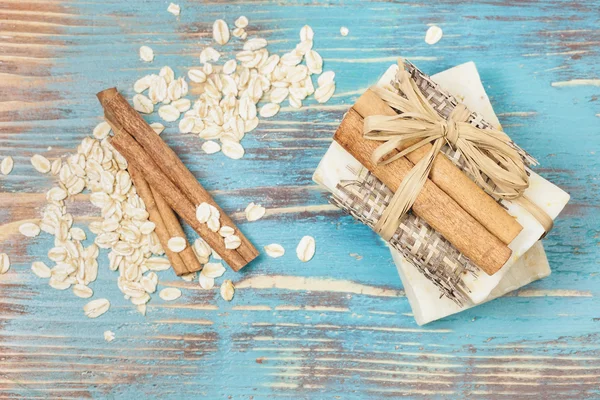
(489, 153)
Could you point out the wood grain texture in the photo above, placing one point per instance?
(338, 325)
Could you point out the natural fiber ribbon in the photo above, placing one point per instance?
(489, 153)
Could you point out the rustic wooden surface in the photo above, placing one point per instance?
(338, 326)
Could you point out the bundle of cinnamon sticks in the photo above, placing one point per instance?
(167, 187)
(450, 201)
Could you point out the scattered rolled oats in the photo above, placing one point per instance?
(157, 127)
(226, 231)
(146, 54)
(306, 33)
(344, 31)
(96, 308)
(325, 78)
(109, 336)
(254, 212)
(189, 277)
(232, 149)
(6, 166)
(170, 294)
(186, 125)
(177, 244)
(202, 250)
(29, 229)
(211, 147)
(306, 248)
(221, 32)
(157, 264)
(174, 9)
(206, 282)
(142, 104)
(213, 270)
(169, 113)
(232, 242)
(274, 250)
(85, 292)
(40, 163)
(269, 110)
(203, 212)
(324, 93)
(41, 270)
(102, 130)
(229, 67)
(227, 290)
(4, 263)
(241, 22)
(314, 62)
(433, 35)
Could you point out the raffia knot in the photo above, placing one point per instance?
(491, 158)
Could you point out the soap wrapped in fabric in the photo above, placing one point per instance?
(359, 193)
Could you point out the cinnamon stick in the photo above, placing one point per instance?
(450, 179)
(139, 159)
(439, 210)
(174, 228)
(143, 190)
(119, 113)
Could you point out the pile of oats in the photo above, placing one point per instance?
(234, 93)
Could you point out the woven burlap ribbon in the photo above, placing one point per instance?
(491, 158)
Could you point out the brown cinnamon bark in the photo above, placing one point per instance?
(139, 159)
(174, 228)
(143, 190)
(119, 113)
(450, 179)
(439, 210)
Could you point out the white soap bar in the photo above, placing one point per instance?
(424, 296)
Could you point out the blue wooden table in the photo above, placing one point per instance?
(338, 326)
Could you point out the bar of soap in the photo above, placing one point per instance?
(424, 296)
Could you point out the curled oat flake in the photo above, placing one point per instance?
(4, 263)
(109, 336)
(41, 270)
(227, 290)
(254, 212)
(174, 9)
(241, 22)
(433, 34)
(206, 282)
(274, 250)
(232, 242)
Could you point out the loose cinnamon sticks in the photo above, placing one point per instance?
(439, 210)
(144, 191)
(451, 180)
(168, 176)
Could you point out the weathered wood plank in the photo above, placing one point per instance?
(340, 324)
